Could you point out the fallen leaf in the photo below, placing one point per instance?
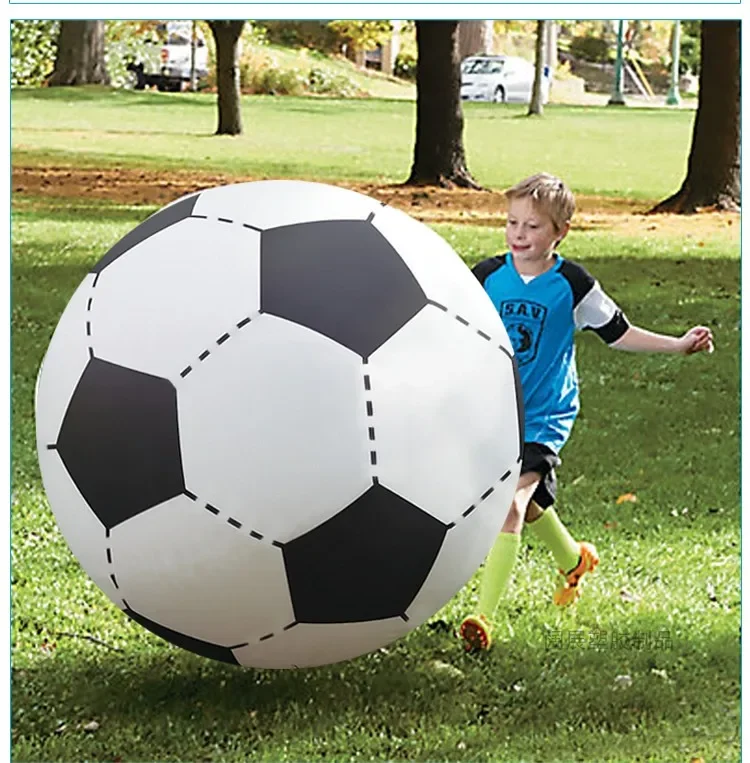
(445, 668)
(623, 682)
(610, 525)
(660, 673)
(627, 497)
(91, 726)
(695, 759)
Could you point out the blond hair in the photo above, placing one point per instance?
(548, 194)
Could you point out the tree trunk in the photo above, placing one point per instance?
(80, 55)
(439, 157)
(226, 35)
(475, 37)
(713, 171)
(536, 107)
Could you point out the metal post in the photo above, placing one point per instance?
(673, 96)
(617, 98)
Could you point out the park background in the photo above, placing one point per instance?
(647, 666)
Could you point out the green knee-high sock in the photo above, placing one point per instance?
(497, 571)
(553, 533)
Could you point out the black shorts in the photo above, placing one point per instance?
(542, 460)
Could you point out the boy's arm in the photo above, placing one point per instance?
(636, 339)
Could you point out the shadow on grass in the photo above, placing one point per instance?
(112, 96)
(528, 683)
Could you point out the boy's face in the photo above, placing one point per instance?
(530, 233)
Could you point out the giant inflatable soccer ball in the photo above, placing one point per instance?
(278, 423)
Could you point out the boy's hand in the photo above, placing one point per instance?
(698, 339)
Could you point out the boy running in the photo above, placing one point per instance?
(542, 299)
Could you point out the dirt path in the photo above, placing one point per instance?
(432, 205)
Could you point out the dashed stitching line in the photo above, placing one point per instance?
(231, 521)
(223, 338)
(466, 323)
(89, 305)
(487, 493)
(110, 562)
(369, 409)
(229, 221)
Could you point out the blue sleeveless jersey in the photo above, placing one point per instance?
(541, 318)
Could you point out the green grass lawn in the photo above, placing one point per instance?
(663, 428)
(639, 153)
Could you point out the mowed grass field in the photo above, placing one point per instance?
(646, 667)
(640, 153)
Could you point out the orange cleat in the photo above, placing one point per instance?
(568, 590)
(475, 632)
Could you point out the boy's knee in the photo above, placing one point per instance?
(517, 510)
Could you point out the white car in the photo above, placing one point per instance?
(501, 79)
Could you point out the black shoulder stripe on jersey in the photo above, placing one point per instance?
(613, 329)
(482, 270)
(580, 280)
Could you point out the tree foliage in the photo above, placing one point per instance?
(33, 45)
(362, 35)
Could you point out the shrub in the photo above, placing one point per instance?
(260, 74)
(33, 45)
(590, 48)
(323, 82)
(405, 65)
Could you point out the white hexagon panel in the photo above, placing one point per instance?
(279, 424)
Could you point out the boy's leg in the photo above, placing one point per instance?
(475, 630)
(574, 559)
(546, 525)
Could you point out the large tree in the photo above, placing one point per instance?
(475, 37)
(227, 35)
(80, 55)
(439, 157)
(713, 171)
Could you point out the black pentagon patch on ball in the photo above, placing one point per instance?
(203, 648)
(367, 562)
(341, 278)
(149, 227)
(119, 441)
